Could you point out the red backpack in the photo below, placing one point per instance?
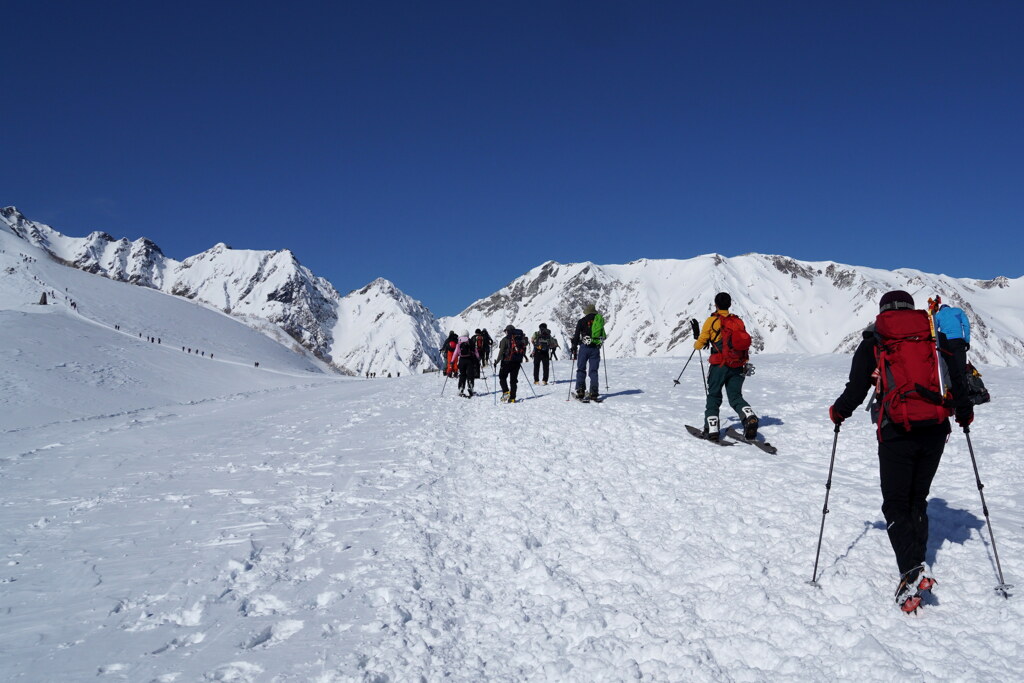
(518, 344)
(733, 346)
(911, 387)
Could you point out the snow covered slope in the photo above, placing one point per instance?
(789, 306)
(316, 528)
(268, 290)
(101, 345)
(381, 329)
(168, 516)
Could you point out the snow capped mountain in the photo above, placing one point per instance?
(171, 516)
(382, 327)
(263, 285)
(268, 290)
(788, 305)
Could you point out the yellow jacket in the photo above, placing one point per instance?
(710, 333)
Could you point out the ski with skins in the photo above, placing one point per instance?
(699, 433)
(737, 435)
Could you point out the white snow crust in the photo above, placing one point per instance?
(168, 517)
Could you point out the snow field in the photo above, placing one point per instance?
(207, 521)
(563, 541)
(191, 541)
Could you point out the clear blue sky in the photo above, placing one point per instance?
(452, 146)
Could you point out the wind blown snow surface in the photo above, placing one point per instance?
(165, 518)
(344, 529)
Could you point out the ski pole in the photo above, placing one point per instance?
(695, 328)
(1003, 588)
(824, 509)
(494, 376)
(445, 383)
(527, 379)
(700, 355)
(605, 359)
(571, 376)
(676, 380)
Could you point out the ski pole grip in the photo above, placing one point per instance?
(836, 430)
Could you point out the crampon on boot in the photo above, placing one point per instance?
(912, 585)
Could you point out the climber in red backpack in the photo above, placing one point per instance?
(449, 358)
(730, 345)
(911, 407)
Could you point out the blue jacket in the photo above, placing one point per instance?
(953, 323)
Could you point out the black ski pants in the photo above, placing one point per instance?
(508, 375)
(907, 465)
(469, 370)
(541, 360)
(955, 355)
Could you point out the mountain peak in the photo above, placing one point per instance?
(382, 284)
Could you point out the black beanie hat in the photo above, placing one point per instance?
(895, 299)
(543, 326)
(510, 329)
(723, 301)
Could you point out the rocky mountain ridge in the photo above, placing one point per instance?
(789, 306)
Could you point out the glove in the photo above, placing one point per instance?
(834, 415)
(965, 416)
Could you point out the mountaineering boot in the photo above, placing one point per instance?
(711, 428)
(504, 397)
(912, 584)
(749, 423)
(580, 394)
(544, 383)
(593, 396)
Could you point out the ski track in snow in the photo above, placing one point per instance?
(372, 530)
